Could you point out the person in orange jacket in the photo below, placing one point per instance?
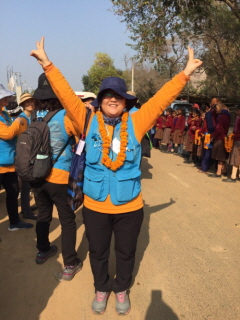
(113, 200)
(8, 177)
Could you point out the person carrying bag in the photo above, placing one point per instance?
(75, 182)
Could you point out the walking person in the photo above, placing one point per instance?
(8, 177)
(113, 200)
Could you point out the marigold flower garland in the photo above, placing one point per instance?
(207, 140)
(197, 138)
(106, 161)
(228, 142)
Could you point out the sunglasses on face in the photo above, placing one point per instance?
(112, 95)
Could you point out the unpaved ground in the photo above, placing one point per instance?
(187, 263)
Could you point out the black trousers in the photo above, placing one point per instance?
(25, 197)
(46, 195)
(9, 181)
(99, 230)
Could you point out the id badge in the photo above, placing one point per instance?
(80, 147)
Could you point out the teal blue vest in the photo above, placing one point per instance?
(122, 185)
(23, 115)
(59, 137)
(7, 147)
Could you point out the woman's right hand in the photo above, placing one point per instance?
(40, 54)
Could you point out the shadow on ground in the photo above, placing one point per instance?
(143, 240)
(26, 286)
(158, 309)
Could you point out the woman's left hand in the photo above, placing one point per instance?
(192, 63)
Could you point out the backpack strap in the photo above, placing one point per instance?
(61, 151)
(47, 117)
(88, 114)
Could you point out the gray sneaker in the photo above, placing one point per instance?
(42, 256)
(122, 303)
(99, 303)
(69, 271)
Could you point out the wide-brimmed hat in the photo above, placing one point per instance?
(24, 97)
(5, 93)
(119, 86)
(44, 90)
(87, 95)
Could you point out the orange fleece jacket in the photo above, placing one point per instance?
(143, 120)
(7, 133)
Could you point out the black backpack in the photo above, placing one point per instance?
(33, 160)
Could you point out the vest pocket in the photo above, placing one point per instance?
(127, 188)
(93, 183)
(93, 154)
(129, 154)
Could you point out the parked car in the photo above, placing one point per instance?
(182, 104)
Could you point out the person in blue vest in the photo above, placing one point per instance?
(53, 190)
(8, 177)
(27, 103)
(113, 202)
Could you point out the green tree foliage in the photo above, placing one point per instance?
(102, 67)
(146, 81)
(212, 27)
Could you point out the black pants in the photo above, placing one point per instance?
(25, 197)
(46, 195)
(99, 229)
(9, 181)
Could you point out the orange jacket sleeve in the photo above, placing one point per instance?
(9, 132)
(74, 106)
(145, 118)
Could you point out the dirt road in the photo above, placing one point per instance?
(187, 263)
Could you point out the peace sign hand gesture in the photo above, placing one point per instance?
(192, 63)
(40, 54)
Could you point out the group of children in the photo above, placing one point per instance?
(202, 137)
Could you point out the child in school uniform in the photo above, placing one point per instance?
(178, 131)
(187, 136)
(234, 158)
(159, 131)
(167, 127)
(221, 130)
(174, 115)
(199, 141)
(208, 128)
(194, 124)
